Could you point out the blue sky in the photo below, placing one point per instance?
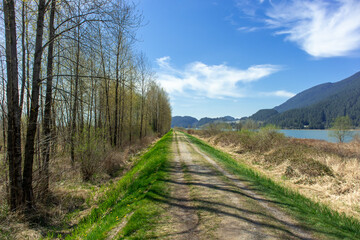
(234, 57)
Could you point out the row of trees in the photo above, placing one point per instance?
(78, 71)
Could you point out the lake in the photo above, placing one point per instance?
(314, 134)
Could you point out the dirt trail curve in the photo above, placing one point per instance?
(207, 202)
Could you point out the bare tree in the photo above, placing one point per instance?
(28, 197)
(143, 73)
(48, 103)
(91, 80)
(14, 114)
(75, 103)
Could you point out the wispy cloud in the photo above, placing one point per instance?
(321, 28)
(163, 62)
(212, 81)
(280, 93)
(247, 29)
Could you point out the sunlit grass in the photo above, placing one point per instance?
(131, 199)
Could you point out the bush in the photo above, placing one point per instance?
(214, 128)
(261, 141)
(227, 138)
(298, 160)
(248, 140)
(90, 151)
(190, 131)
(114, 162)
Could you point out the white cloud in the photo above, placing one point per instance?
(280, 93)
(163, 62)
(212, 81)
(321, 28)
(247, 29)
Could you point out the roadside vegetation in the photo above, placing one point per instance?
(128, 209)
(124, 206)
(322, 171)
(75, 190)
(317, 216)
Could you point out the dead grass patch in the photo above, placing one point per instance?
(323, 171)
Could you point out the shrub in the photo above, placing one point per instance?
(90, 152)
(261, 141)
(227, 138)
(312, 168)
(114, 162)
(247, 140)
(190, 131)
(298, 160)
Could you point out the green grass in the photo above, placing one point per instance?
(318, 218)
(134, 195)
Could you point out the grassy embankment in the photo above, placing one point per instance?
(319, 218)
(322, 171)
(128, 209)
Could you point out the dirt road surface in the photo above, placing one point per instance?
(207, 202)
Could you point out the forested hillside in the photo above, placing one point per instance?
(264, 114)
(184, 122)
(72, 83)
(187, 121)
(317, 107)
(319, 93)
(322, 114)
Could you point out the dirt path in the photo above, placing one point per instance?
(207, 202)
(180, 220)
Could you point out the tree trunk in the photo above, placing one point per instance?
(74, 110)
(28, 197)
(142, 115)
(14, 133)
(117, 69)
(107, 107)
(23, 46)
(48, 103)
(131, 107)
(122, 110)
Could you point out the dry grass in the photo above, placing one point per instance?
(70, 198)
(325, 172)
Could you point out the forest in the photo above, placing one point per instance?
(72, 83)
(321, 115)
(317, 107)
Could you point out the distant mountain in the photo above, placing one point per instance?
(264, 114)
(188, 121)
(322, 114)
(207, 120)
(319, 93)
(317, 107)
(184, 122)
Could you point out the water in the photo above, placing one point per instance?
(315, 134)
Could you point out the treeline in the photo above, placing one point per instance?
(73, 78)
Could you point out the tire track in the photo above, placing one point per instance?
(207, 202)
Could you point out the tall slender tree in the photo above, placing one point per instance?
(14, 114)
(48, 103)
(28, 196)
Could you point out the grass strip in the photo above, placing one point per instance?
(131, 195)
(317, 217)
